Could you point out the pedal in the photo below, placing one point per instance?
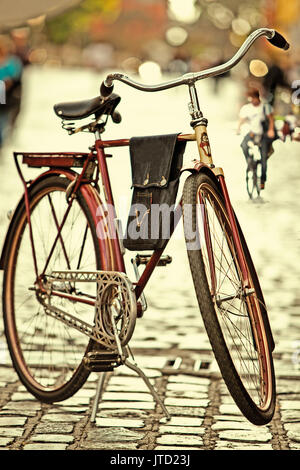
(144, 259)
(102, 361)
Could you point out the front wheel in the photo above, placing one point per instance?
(234, 317)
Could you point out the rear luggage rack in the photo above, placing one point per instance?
(54, 159)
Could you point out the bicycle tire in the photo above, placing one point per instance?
(59, 380)
(256, 400)
(252, 179)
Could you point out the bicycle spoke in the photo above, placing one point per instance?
(57, 237)
(82, 247)
(60, 236)
(251, 374)
(235, 282)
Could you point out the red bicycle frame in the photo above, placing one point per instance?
(104, 215)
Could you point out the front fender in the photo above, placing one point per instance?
(107, 249)
(202, 167)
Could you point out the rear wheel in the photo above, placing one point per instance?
(234, 317)
(46, 353)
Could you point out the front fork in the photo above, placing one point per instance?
(199, 124)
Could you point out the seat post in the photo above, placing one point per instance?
(97, 134)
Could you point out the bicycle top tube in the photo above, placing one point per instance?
(190, 78)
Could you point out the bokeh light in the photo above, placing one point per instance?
(251, 14)
(220, 15)
(131, 64)
(176, 36)
(258, 68)
(187, 12)
(150, 72)
(240, 26)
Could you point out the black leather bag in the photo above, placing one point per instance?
(156, 162)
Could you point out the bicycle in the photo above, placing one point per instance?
(254, 169)
(253, 172)
(74, 310)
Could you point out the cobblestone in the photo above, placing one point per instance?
(245, 436)
(131, 424)
(45, 446)
(57, 438)
(181, 430)
(180, 440)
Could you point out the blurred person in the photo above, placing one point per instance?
(290, 124)
(10, 76)
(262, 132)
(273, 79)
(20, 38)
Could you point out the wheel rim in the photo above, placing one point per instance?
(46, 351)
(236, 312)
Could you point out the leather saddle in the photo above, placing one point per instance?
(81, 109)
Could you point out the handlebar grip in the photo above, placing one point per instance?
(105, 90)
(116, 117)
(279, 41)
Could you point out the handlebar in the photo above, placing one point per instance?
(273, 37)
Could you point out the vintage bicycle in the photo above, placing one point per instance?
(69, 308)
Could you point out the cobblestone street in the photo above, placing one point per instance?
(169, 342)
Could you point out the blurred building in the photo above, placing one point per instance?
(174, 33)
(137, 22)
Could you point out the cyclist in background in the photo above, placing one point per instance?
(260, 120)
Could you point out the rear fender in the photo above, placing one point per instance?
(106, 248)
